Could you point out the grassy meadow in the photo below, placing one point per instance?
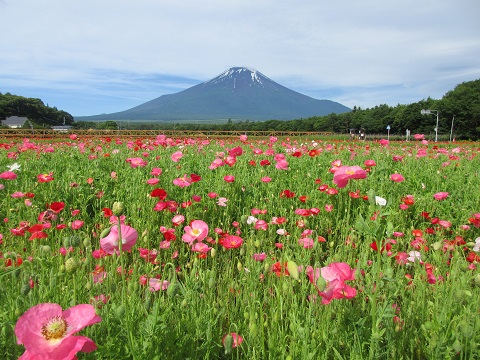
(240, 248)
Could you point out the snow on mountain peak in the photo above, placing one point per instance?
(235, 73)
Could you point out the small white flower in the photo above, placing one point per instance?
(414, 255)
(476, 247)
(380, 201)
(251, 220)
(14, 167)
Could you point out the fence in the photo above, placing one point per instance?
(49, 133)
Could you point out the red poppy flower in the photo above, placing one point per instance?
(287, 194)
(160, 193)
(57, 206)
(45, 177)
(230, 241)
(107, 212)
(280, 270)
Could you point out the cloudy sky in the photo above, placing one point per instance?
(89, 57)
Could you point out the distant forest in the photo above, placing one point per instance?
(39, 114)
(459, 108)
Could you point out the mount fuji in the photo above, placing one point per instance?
(238, 93)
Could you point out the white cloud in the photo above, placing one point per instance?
(358, 53)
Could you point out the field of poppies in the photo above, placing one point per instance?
(162, 248)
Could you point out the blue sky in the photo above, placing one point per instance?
(91, 57)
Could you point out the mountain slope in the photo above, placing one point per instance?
(237, 93)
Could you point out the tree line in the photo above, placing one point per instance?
(38, 114)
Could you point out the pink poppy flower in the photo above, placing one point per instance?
(259, 257)
(306, 242)
(47, 332)
(153, 181)
(201, 247)
(397, 177)
(243, 138)
(229, 178)
(182, 181)
(136, 162)
(156, 171)
(281, 165)
(266, 179)
(197, 230)
(343, 174)
(444, 223)
(216, 163)
(165, 244)
(261, 225)
(370, 163)
(335, 276)
(176, 156)
(77, 224)
(178, 220)
(222, 201)
(441, 195)
(110, 243)
(8, 175)
(419, 136)
(237, 339)
(384, 142)
(157, 284)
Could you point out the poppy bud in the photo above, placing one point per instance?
(476, 279)
(25, 289)
(321, 283)
(211, 282)
(118, 208)
(292, 269)
(120, 311)
(105, 233)
(75, 241)
(173, 289)
(71, 265)
(87, 242)
(228, 344)
(45, 249)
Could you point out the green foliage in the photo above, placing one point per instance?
(34, 109)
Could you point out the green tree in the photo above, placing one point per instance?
(463, 102)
